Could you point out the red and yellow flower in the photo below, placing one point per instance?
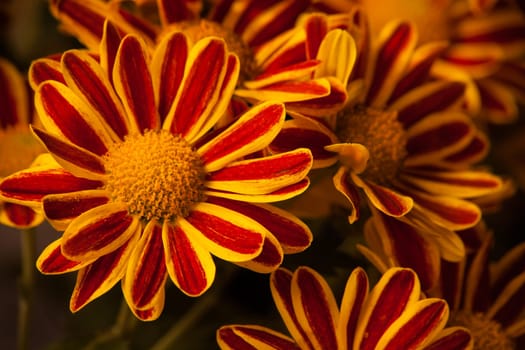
(390, 316)
(142, 183)
(18, 148)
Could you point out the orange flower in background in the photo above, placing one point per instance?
(18, 147)
(140, 187)
(390, 316)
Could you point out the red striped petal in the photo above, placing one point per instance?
(386, 200)
(262, 175)
(202, 81)
(315, 307)
(133, 83)
(190, 267)
(68, 153)
(453, 338)
(316, 28)
(19, 215)
(293, 235)
(171, 11)
(66, 207)
(345, 186)
(100, 276)
(98, 232)
(354, 296)
(253, 131)
(67, 115)
(269, 259)
(281, 288)
(108, 48)
(33, 185)
(85, 75)
(44, 69)
(51, 261)
(170, 58)
(146, 273)
(239, 337)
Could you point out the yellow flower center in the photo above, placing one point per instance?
(157, 175)
(18, 148)
(202, 28)
(487, 334)
(381, 133)
(430, 16)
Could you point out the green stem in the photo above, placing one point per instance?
(124, 325)
(26, 286)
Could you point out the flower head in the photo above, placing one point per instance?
(390, 316)
(486, 297)
(142, 183)
(18, 148)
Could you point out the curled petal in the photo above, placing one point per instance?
(352, 156)
(19, 216)
(269, 259)
(189, 265)
(343, 184)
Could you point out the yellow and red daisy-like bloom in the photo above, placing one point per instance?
(280, 60)
(142, 183)
(403, 146)
(18, 148)
(390, 316)
(486, 297)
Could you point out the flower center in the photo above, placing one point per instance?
(157, 175)
(429, 16)
(202, 28)
(487, 334)
(18, 148)
(383, 136)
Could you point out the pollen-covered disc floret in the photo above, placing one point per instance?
(18, 148)
(487, 334)
(157, 175)
(381, 133)
(202, 28)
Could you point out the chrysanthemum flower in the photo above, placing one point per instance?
(18, 148)
(279, 60)
(487, 298)
(403, 146)
(487, 45)
(138, 182)
(390, 316)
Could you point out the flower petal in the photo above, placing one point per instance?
(293, 235)
(397, 290)
(308, 133)
(354, 296)
(86, 78)
(60, 209)
(262, 175)
(452, 338)
(14, 99)
(225, 233)
(134, 86)
(253, 131)
(280, 286)
(146, 270)
(98, 232)
(323, 105)
(52, 262)
(248, 337)
(44, 69)
(189, 265)
(418, 325)
(77, 160)
(30, 186)
(65, 114)
(100, 276)
(269, 259)
(388, 201)
(346, 187)
(282, 194)
(315, 307)
(19, 216)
